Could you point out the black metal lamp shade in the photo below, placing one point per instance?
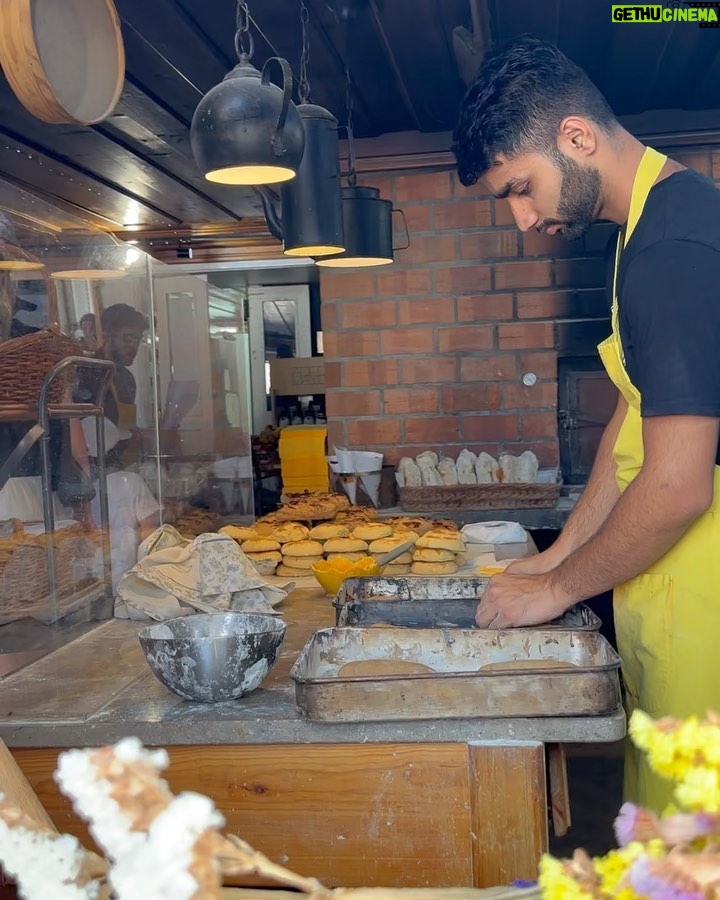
(247, 130)
(367, 228)
(312, 212)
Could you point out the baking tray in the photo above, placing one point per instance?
(457, 686)
(422, 602)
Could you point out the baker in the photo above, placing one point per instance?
(534, 129)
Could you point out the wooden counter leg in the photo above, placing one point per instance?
(508, 809)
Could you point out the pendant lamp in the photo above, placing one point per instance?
(12, 257)
(98, 258)
(246, 130)
(367, 230)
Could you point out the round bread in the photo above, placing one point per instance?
(345, 545)
(406, 523)
(289, 532)
(239, 533)
(403, 559)
(392, 569)
(286, 572)
(436, 568)
(372, 531)
(349, 556)
(259, 545)
(300, 562)
(356, 514)
(303, 548)
(385, 545)
(327, 530)
(445, 525)
(273, 556)
(432, 554)
(440, 539)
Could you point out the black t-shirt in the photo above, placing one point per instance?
(669, 296)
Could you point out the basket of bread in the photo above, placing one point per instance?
(354, 543)
(428, 483)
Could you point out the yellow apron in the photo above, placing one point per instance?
(667, 619)
(127, 412)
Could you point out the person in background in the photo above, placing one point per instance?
(89, 334)
(536, 131)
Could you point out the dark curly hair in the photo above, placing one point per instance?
(521, 94)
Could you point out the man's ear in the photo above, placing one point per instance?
(577, 137)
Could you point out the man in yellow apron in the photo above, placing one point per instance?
(534, 129)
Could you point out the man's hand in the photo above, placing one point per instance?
(539, 564)
(511, 601)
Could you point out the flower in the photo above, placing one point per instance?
(557, 884)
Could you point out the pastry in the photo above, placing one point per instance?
(328, 530)
(448, 471)
(393, 570)
(288, 532)
(302, 548)
(350, 556)
(259, 545)
(300, 562)
(465, 466)
(402, 560)
(487, 469)
(432, 554)
(239, 533)
(345, 545)
(284, 571)
(370, 531)
(434, 568)
(427, 463)
(441, 539)
(409, 472)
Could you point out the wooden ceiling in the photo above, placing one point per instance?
(135, 171)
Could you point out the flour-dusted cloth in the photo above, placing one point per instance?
(494, 533)
(176, 577)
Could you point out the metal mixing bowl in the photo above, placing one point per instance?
(213, 657)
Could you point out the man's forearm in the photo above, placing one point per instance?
(643, 524)
(600, 495)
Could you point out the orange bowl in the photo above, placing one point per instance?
(331, 573)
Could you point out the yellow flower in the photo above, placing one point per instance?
(613, 867)
(699, 790)
(556, 884)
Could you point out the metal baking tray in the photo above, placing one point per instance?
(422, 602)
(457, 686)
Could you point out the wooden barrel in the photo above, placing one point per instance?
(65, 60)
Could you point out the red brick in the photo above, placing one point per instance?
(542, 395)
(484, 307)
(403, 282)
(369, 373)
(525, 335)
(340, 285)
(336, 433)
(535, 426)
(580, 272)
(716, 165)
(544, 365)
(471, 398)
(492, 367)
(384, 183)
(368, 314)
(547, 452)
(401, 401)
(333, 375)
(373, 432)
(511, 275)
(407, 340)
(482, 245)
(461, 214)
(351, 343)
(329, 315)
(502, 214)
(536, 244)
(463, 338)
(429, 370)
(699, 160)
(352, 403)
(544, 305)
(478, 190)
(422, 186)
(490, 428)
(417, 218)
(393, 455)
(462, 280)
(433, 311)
(433, 248)
(433, 430)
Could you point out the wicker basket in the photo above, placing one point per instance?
(24, 582)
(479, 496)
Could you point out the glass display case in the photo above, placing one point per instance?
(124, 405)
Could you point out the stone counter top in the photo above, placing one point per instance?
(99, 688)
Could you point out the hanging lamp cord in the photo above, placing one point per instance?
(349, 105)
(244, 45)
(304, 86)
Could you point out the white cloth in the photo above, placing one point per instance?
(494, 533)
(21, 498)
(176, 576)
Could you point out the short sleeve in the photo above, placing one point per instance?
(670, 315)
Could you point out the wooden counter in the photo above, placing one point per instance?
(427, 803)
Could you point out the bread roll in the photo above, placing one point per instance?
(432, 554)
(448, 471)
(239, 533)
(303, 548)
(410, 472)
(508, 469)
(300, 562)
(487, 469)
(403, 559)
(284, 571)
(259, 545)
(385, 545)
(288, 532)
(345, 545)
(327, 530)
(439, 539)
(465, 466)
(370, 531)
(433, 568)
(392, 569)
(349, 556)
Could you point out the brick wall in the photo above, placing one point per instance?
(429, 353)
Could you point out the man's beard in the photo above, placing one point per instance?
(579, 196)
